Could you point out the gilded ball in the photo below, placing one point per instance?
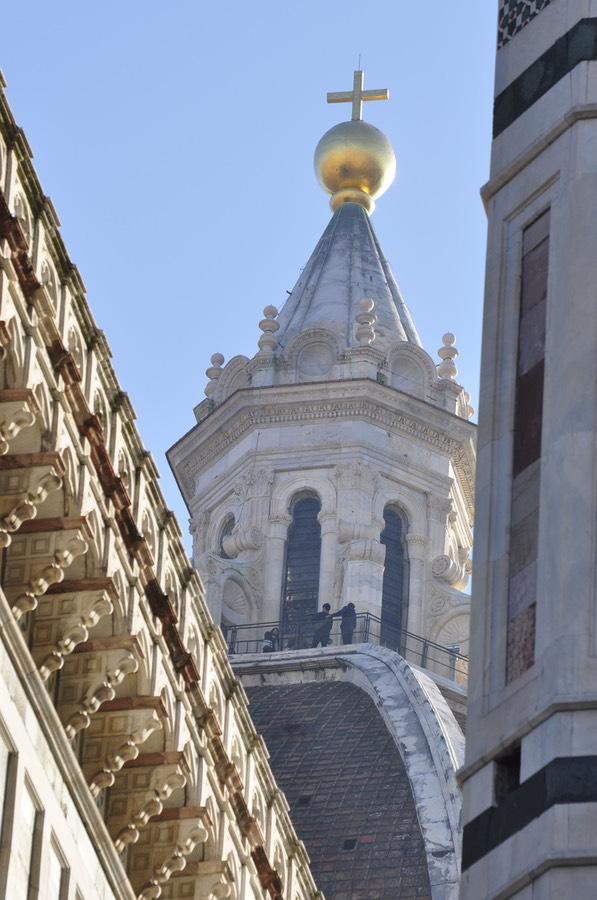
(354, 158)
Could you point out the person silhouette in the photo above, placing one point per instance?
(348, 621)
(323, 626)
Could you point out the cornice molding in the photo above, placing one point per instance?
(305, 408)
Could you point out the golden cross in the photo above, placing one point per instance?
(357, 95)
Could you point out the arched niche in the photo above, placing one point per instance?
(294, 484)
(23, 215)
(412, 503)
(312, 354)
(225, 528)
(234, 377)
(411, 369)
(74, 344)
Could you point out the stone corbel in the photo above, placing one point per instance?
(48, 575)
(355, 531)
(24, 507)
(125, 751)
(101, 692)
(242, 539)
(75, 631)
(445, 568)
(214, 880)
(366, 551)
(191, 834)
(17, 411)
(153, 806)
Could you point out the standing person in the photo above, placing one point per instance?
(323, 626)
(271, 641)
(348, 622)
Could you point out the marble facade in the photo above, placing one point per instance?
(527, 781)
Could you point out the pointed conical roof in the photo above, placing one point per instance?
(346, 267)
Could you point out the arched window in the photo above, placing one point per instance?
(394, 602)
(301, 573)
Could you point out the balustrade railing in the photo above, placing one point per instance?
(267, 637)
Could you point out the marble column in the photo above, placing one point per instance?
(329, 545)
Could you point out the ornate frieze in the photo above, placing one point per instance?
(312, 410)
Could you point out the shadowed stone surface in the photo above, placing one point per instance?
(349, 795)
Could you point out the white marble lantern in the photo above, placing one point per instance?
(337, 463)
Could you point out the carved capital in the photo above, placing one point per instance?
(198, 525)
(417, 545)
(254, 483)
(279, 525)
(356, 474)
(439, 508)
(327, 520)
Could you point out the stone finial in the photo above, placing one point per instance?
(268, 341)
(213, 373)
(366, 319)
(448, 353)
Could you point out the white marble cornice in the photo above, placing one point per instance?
(439, 430)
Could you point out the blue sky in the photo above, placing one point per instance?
(176, 142)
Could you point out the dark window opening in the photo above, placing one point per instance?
(301, 575)
(507, 773)
(394, 604)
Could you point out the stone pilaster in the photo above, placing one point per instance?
(276, 545)
(417, 554)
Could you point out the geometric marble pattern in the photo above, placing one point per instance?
(514, 15)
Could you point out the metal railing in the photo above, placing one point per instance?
(298, 635)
